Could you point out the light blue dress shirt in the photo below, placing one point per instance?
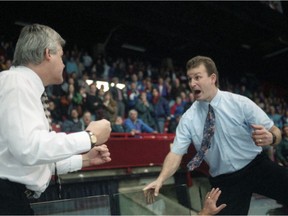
(232, 146)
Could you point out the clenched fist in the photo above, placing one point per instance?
(101, 129)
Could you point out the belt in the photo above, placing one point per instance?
(29, 194)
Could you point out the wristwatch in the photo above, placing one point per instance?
(93, 138)
(274, 138)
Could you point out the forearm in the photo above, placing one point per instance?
(170, 166)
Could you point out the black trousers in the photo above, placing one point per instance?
(13, 200)
(261, 176)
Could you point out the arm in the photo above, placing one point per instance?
(145, 127)
(96, 156)
(170, 166)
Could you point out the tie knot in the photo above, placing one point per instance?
(210, 107)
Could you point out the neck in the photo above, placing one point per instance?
(38, 69)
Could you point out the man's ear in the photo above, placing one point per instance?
(213, 78)
(47, 54)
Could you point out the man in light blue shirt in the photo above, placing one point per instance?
(237, 165)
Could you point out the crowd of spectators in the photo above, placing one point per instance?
(159, 94)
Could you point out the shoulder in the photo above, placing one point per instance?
(233, 97)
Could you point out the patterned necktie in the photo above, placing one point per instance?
(208, 132)
(44, 100)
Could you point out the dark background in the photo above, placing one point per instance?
(245, 37)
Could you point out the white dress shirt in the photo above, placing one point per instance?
(232, 146)
(28, 150)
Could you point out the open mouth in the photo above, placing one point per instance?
(197, 92)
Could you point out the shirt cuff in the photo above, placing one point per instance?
(82, 140)
(76, 163)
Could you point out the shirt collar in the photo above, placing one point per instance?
(32, 76)
(214, 102)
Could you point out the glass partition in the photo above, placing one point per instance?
(129, 201)
(93, 205)
(133, 202)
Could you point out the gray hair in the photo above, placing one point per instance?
(33, 41)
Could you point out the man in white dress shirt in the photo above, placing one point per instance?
(29, 152)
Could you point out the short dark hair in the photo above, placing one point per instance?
(207, 62)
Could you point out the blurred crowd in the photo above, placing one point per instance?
(135, 95)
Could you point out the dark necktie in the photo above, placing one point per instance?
(44, 99)
(208, 132)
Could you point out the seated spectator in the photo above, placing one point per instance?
(56, 117)
(86, 119)
(135, 125)
(173, 123)
(282, 148)
(189, 102)
(72, 124)
(177, 108)
(118, 126)
(275, 116)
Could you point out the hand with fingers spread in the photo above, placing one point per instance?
(151, 191)
(210, 207)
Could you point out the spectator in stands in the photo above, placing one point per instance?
(177, 109)
(282, 149)
(30, 153)
(71, 66)
(133, 95)
(56, 117)
(72, 123)
(87, 62)
(79, 100)
(86, 119)
(161, 110)
(119, 97)
(177, 88)
(93, 101)
(148, 88)
(145, 110)
(189, 101)
(137, 81)
(118, 125)
(236, 162)
(135, 125)
(109, 107)
(275, 116)
(162, 88)
(173, 123)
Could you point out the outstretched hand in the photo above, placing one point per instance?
(151, 191)
(210, 207)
